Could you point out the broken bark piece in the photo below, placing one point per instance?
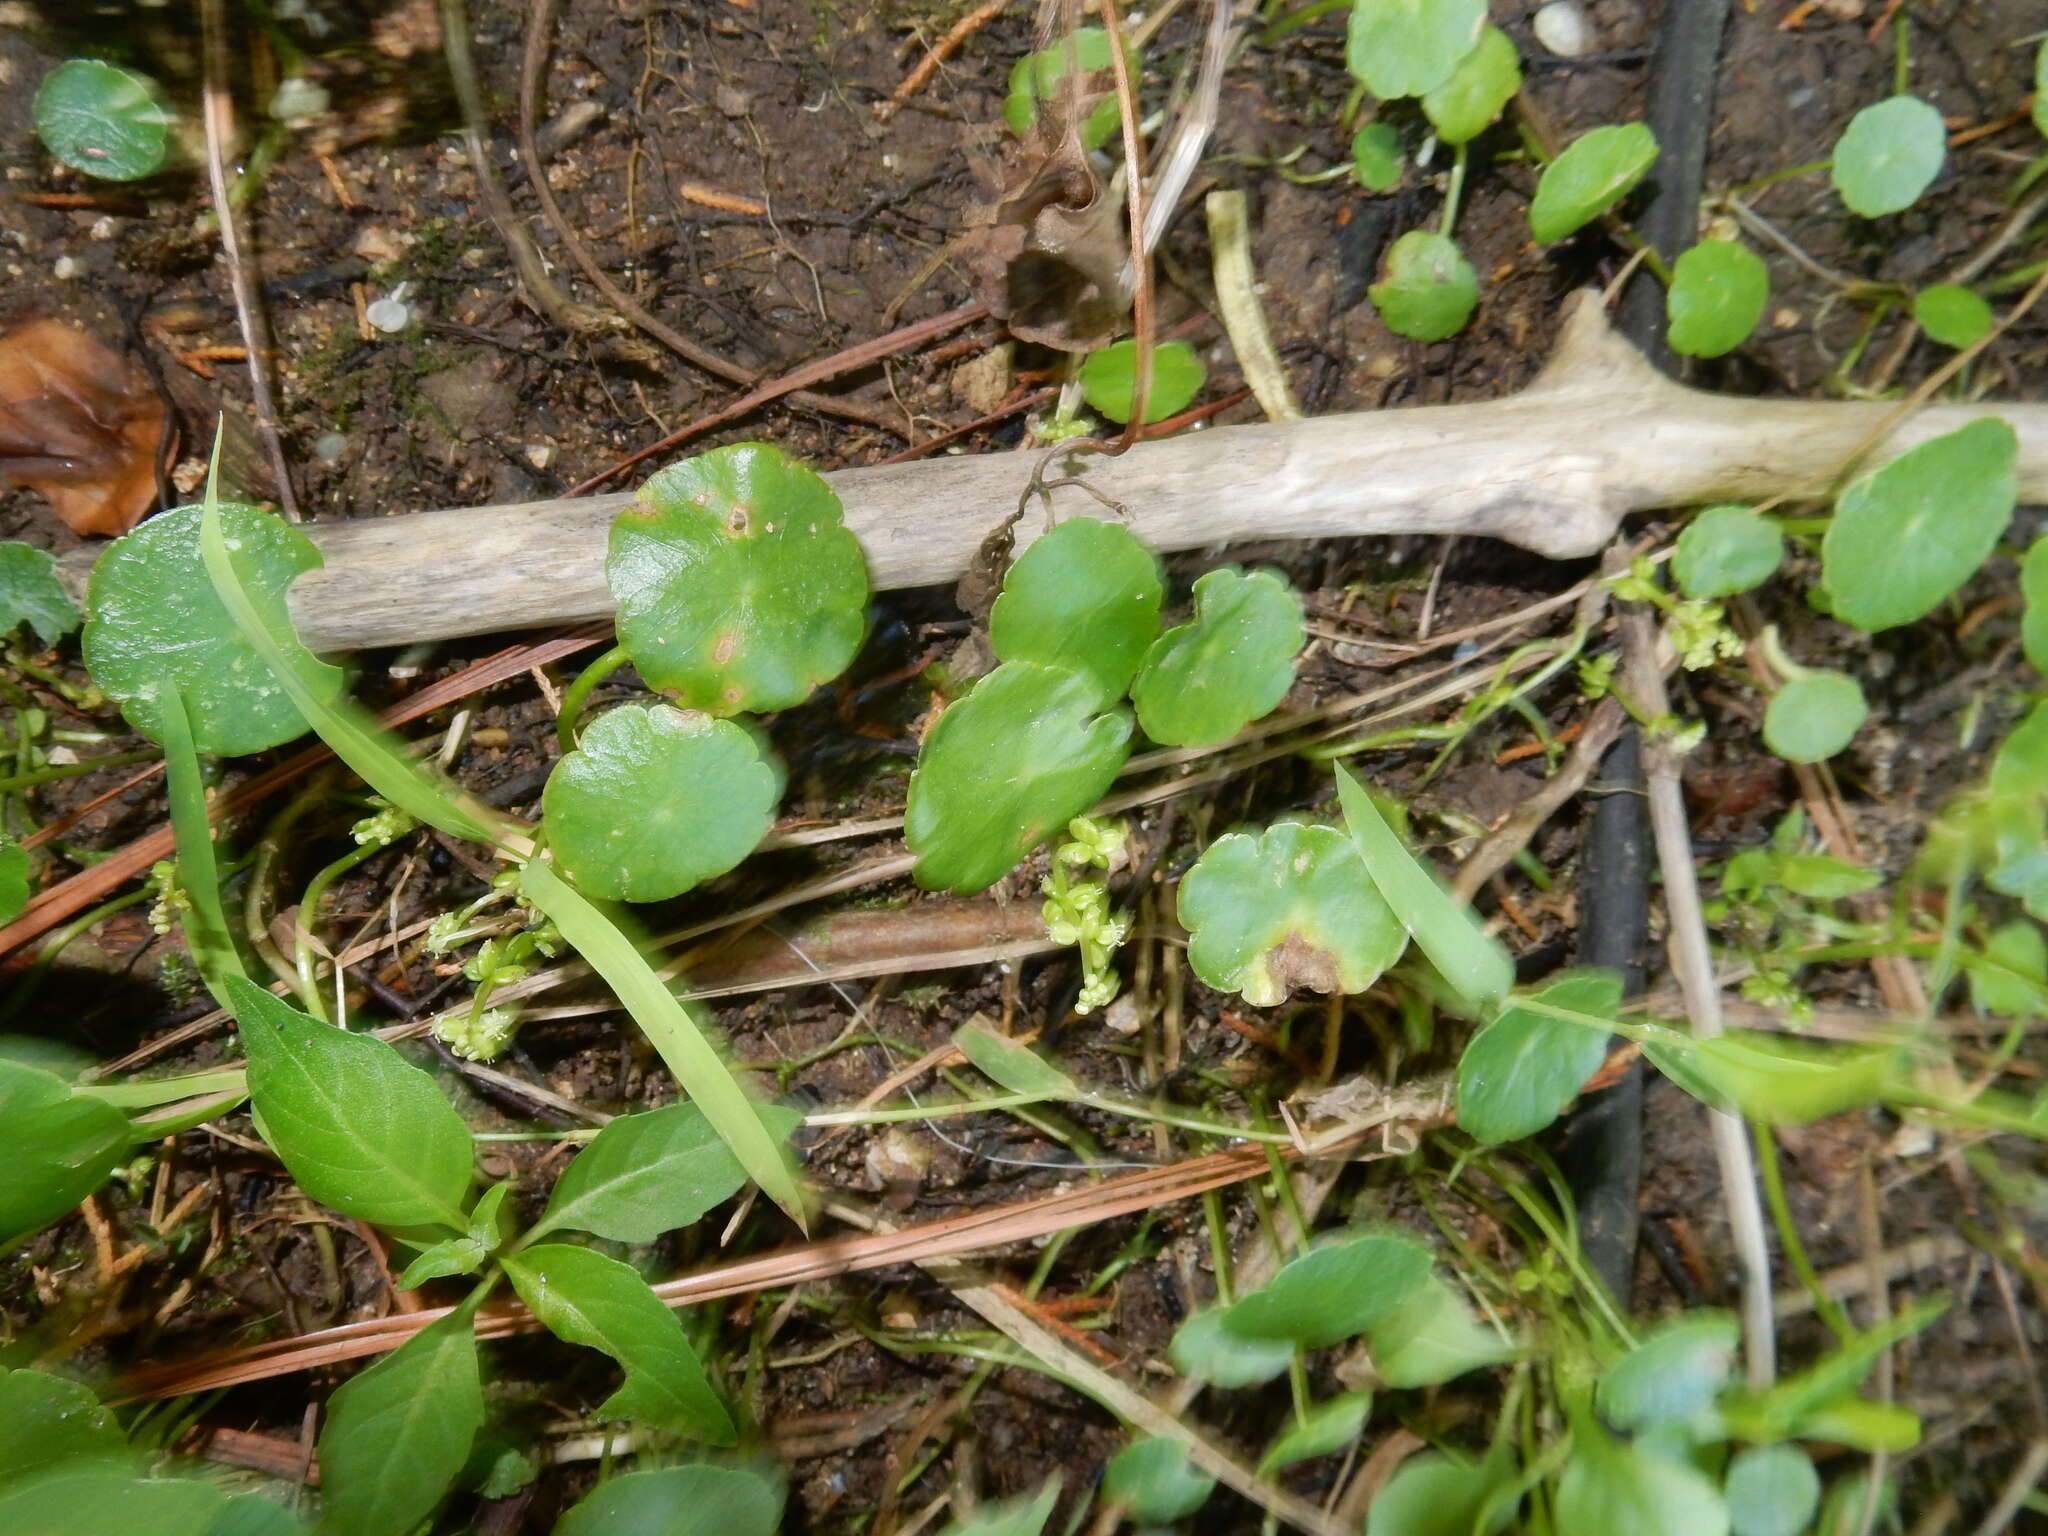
(80, 425)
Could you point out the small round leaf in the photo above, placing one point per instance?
(1110, 377)
(1485, 80)
(1727, 549)
(1037, 78)
(1772, 1490)
(1432, 1495)
(1376, 156)
(1204, 681)
(154, 620)
(1336, 1290)
(1953, 315)
(1290, 908)
(1908, 534)
(1406, 47)
(1594, 173)
(1429, 290)
(31, 594)
(1016, 760)
(738, 586)
(1672, 1374)
(1205, 1349)
(1890, 153)
(1085, 597)
(104, 121)
(1155, 1481)
(1717, 295)
(1814, 716)
(1520, 1072)
(654, 801)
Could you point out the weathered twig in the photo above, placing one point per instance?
(1554, 469)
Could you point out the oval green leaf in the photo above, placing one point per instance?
(361, 1129)
(1890, 153)
(1155, 1482)
(1011, 1065)
(1476, 966)
(1289, 908)
(1233, 661)
(1673, 1374)
(1407, 47)
(1485, 80)
(1814, 716)
(1205, 1349)
(58, 1147)
(1778, 1079)
(1717, 295)
(1522, 1070)
(656, 800)
(1616, 1490)
(1954, 316)
(1429, 289)
(1109, 379)
(679, 1501)
(1725, 550)
(737, 584)
(1016, 760)
(398, 1434)
(1085, 597)
(31, 594)
(1432, 1495)
(104, 121)
(1431, 1337)
(1335, 1291)
(2034, 589)
(1330, 1427)
(650, 1173)
(586, 1298)
(1772, 1490)
(1596, 171)
(1909, 533)
(2017, 948)
(1376, 156)
(51, 1421)
(154, 619)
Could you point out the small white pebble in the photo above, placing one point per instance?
(65, 268)
(329, 447)
(540, 455)
(1562, 28)
(391, 314)
(102, 228)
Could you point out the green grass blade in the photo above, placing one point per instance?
(1473, 963)
(348, 731)
(205, 923)
(698, 1068)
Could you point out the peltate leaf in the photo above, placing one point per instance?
(737, 583)
(1947, 502)
(1772, 1490)
(1485, 80)
(1335, 1291)
(361, 1129)
(57, 1147)
(1084, 597)
(103, 120)
(1233, 661)
(586, 1298)
(1289, 908)
(1406, 47)
(1109, 379)
(656, 800)
(398, 1434)
(1428, 289)
(1814, 716)
(1617, 1490)
(155, 620)
(31, 594)
(650, 1173)
(1016, 760)
(1155, 1482)
(1890, 153)
(679, 1501)
(1717, 295)
(1725, 550)
(1521, 1071)
(1595, 172)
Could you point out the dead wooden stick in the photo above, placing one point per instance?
(1599, 435)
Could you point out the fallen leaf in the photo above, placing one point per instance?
(80, 425)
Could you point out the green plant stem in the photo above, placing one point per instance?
(167, 1090)
(1772, 178)
(305, 962)
(1296, 19)
(1454, 192)
(1902, 55)
(581, 689)
(1219, 1244)
(50, 773)
(206, 925)
(1772, 1174)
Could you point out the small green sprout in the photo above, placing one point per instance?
(1077, 909)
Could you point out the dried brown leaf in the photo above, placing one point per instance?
(80, 425)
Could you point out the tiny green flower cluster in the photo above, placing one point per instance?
(1077, 909)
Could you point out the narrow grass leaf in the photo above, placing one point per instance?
(1012, 1065)
(204, 920)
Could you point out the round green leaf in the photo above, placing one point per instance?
(738, 586)
(1206, 680)
(1085, 597)
(1594, 173)
(1890, 153)
(1814, 716)
(1156, 1482)
(1717, 295)
(1673, 1374)
(1036, 77)
(31, 594)
(1772, 1490)
(679, 1501)
(1485, 80)
(1376, 156)
(1522, 1070)
(154, 620)
(1431, 1336)
(1429, 290)
(655, 800)
(1406, 47)
(105, 121)
(1432, 1495)
(1335, 1291)
(1727, 549)
(1953, 315)
(1620, 1490)
(1205, 1348)
(1013, 762)
(1908, 534)
(1110, 376)
(1290, 908)
(2034, 588)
